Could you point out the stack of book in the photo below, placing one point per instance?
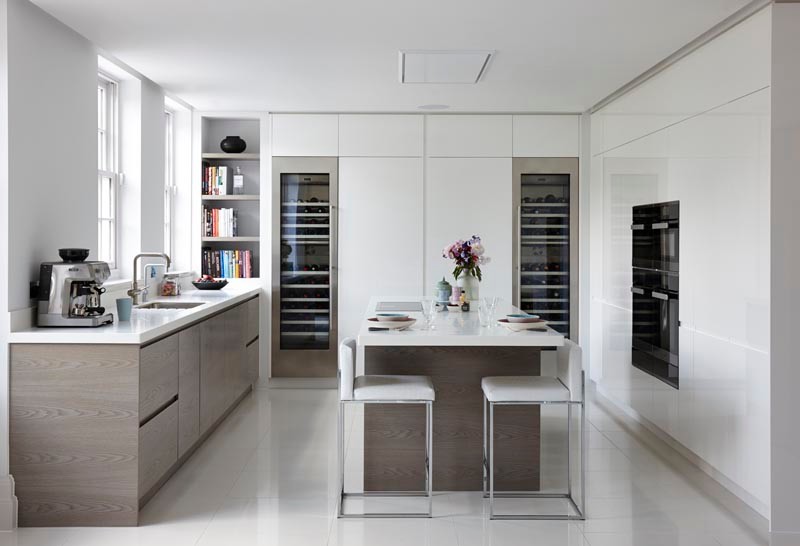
(220, 222)
(215, 179)
(228, 264)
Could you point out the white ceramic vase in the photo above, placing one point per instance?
(470, 285)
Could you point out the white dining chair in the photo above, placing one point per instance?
(568, 389)
(383, 389)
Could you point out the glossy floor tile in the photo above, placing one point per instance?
(268, 476)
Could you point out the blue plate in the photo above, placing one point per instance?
(391, 317)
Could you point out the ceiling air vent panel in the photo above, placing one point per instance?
(427, 66)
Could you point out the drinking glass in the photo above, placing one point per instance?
(484, 313)
(429, 310)
(490, 304)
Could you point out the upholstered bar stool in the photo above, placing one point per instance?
(567, 389)
(383, 389)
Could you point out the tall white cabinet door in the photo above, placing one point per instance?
(465, 197)
(305, 135)
(468, 136)
(380, 233)
(379, 135)
(547, 136)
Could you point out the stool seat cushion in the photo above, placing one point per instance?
(394, 387)
(524, 389)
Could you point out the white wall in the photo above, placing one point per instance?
(785, 255)
(52, 149)
(152, 145)
(697, 133)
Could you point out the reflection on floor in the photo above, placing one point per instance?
(268, 476)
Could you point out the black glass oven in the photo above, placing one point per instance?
(655, 231)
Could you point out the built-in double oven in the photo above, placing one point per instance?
(655, 240)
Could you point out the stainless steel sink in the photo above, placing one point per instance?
(170, 305)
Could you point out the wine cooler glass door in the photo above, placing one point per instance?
(305, 287)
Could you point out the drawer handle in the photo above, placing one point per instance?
(156, 413)
(659, 296)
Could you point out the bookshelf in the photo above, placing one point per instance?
(229, 223)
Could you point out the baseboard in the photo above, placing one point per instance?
(784, 539)
(8, 504)
(745, 505)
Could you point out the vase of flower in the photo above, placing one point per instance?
(467, 257)
(471, 286)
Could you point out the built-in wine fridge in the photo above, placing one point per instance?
(545, 279)
(304, 335)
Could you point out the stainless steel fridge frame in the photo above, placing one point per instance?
(305, 362)
(548, 165)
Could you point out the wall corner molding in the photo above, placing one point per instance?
(8, 504)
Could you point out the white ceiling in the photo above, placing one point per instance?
(342, 55)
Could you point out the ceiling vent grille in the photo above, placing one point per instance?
(454, 66)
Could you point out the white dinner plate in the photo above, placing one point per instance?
(391, 325)
(522, 326)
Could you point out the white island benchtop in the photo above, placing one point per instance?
(148, 324)
(454, 329)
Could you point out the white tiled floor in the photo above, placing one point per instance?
(268, 476)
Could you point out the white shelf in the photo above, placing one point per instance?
(231, 239)
(230, 197)
(244, 156)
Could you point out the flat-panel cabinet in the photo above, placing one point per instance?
(547, 136)
(158, 448)
(380, 201)
(305, 135)
(158, 376)
(213, 373)
(188, 388)
(468, 136)
(380, 135)
(465, 197)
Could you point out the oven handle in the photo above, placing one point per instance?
(659, 295)
(661, 225)
(637, 290)
(637, 227)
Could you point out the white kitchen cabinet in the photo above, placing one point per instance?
(305, 135)
(468, 136)
(379, 135)
(380, 233)
(465, 197)
(546, 136)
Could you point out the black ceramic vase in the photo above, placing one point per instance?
(233, 145)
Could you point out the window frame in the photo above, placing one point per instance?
(108, 165)
(170, 188)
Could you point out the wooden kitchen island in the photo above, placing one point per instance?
(456, 354)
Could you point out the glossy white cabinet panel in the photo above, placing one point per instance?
(379, 135)
(312, 135)
(727, 68)
(465, 197)
(686, 135)
(546, 136)
(380, 233)
(468, 136)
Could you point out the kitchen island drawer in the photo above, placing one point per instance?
(158, 376)
(158, 447)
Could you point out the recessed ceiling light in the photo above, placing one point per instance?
(433, 106)
(434, 66)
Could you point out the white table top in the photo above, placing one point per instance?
(455, 329)
(147, 324)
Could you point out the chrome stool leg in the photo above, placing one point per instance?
(428, 492)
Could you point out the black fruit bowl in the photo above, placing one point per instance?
(210, 285)
(73, 254)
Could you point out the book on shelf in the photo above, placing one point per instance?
(220, 222)
(228, 264)
(215, 179)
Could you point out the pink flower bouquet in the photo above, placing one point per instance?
(468, 256)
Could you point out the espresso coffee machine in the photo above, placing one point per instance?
(70, 291)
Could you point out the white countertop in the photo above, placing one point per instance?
(147, 324)
(455, 329)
